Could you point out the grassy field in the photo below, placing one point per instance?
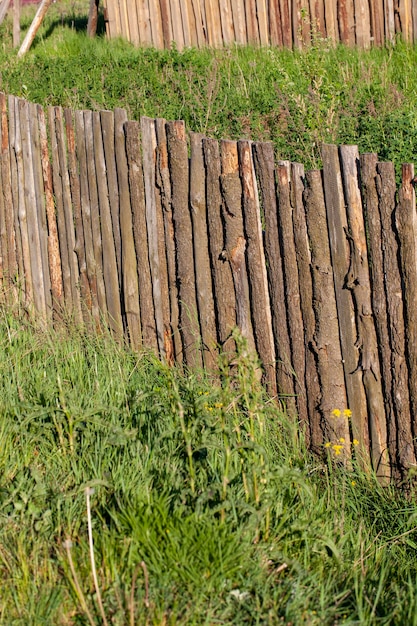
(204, 506)
(297, 100)
(131, 493)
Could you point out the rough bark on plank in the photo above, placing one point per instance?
(362, 23)
(239, 21)
(224, 298)
(346, 18)
(265, 171)
(387, 190)
(285, 10)
(251, 22)
(95, 214)
(107, 129)
(406, 225)
(325, 341)
(179, 170)
(275, 31)
(4, 245)
(79, 248)
(166, 22)
(86, 215)
(110, 274)
(226, 18)
(262, 16)
(14, 189)
(156, 25)
(204, 289)
(291, 290)
(357, 281)
(6, 176)
(140, 233)
(149, 175)
(65, 217)
(339, 248)
(255, 258)
(303, 254)
(235, 240)
(173, 343)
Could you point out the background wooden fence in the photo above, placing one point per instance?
(288, 23)
(173, 239)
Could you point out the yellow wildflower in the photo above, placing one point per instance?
(342, 440)
(347, 413)
(337, 449)
(355, 442)
(327, 444)
(336, 413)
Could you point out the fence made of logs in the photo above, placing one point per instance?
(287, 23)
(173, 240)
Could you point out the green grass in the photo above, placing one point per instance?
(296, 99)
(202, 484)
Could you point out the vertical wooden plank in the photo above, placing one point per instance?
(406, 225)
(291, 291)
(110, 275)
(95, 214)
(362, 23)
(198, 21)
(285, 10)
(414, 19)
(340, 256)
(40, 204)
(251, 22)
(4, 246)
(149, 175)
(265, 171)
(385, 277)
(140, 232)
(172, 337)
(346, 19)
(258, 282)
(166, 20)
(300, 23)
(358, 283)
(133, 24)
(389, 21)
(330, 16)
(65, 217)
(376, 17)
(6, 178)
(86, 215)
(144, 24)
(111, 18)
(262, 15)
(14, 178)
(156, 24)
(304, 265)
(54, 259)
(239, 21)
(213, 22)
(275, 29)
(403, 425)
(226, 18)
(179, 171)
(124, 19)
(325, 341)
(186, 27)
(224, 298)
(205, 300)
(177, 29)
(129, 263)
(85, 292)
(318, 22)
(235, 240)
(403, 18)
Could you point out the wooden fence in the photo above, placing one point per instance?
(174, 239)
(287, 23)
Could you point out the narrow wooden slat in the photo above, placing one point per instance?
(387, 190)
(291, 290)
(325, 341)
(166, 20)
(140, 232)
(177, 30)
(179, 170)
(235, 240)
(304, 265)
(197, 11)
(6, 177)
(404, 16)
(239, 21)
(337, 224)
(414, 19)
(346, 19)
(144, 25)
(275, 30)
(86, 214)
(330, 16)
(362, 23)
(358, 282)
(376, 16)
(204, 290)
(406, 225)
(110, 274)
(318, 21)
(251, 22)
(213, 23)
(265, 171)
(186, 26)
(172, 337)
(94, 212)
(65, 217)
(226, 17)
(224, 297)
(149, 175)
(124, 19)
(40, 204)
(262, 15)
(285, 11)
(300, 23)
(389, 21)
(4, 245)
(133, 24)
(156, 24)
(14, 179)
(79, 248)
(258, 281)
